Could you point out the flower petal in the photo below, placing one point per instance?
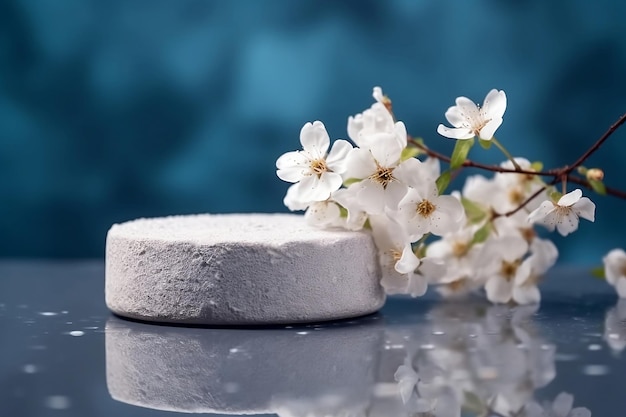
(487, 132)
(562, 404)
(526, 294)
(293, 199)
(498, 290)
(567, 223)
(328, 182)
(378, 95)
(292, 166)
(399, 130)
(585, 208)
(455, 118)
(494, 104)
(620, 286)
(455, 133)
(336, 159)
(386, 149)
(467, 108)
(394, 192)
(570, 198)
(417, 285)
(323, 214)
(393, 282)
(614, 265)
(359, 164)
(371, 196)
(355, 125)
(540, 213)
(408, 262)
(446, 217)
(409, 171)
(314, 139)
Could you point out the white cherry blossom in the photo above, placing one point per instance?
(316, 173)
(459, 255)
(375, 166)
(323, 214)
(502, 258)
(615, 270)
(396, 258)
(346, 198)
(470, 120)
(543, 257)
(565, 213)
(422, 210)
(363, 127)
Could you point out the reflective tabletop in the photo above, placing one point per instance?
(64, 354)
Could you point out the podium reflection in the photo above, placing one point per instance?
(460, 359)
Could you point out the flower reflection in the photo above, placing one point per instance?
(482, 359)
(561, 407)
(615, 326)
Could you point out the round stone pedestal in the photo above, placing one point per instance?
(239, 269)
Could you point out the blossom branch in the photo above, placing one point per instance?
(597, 144)
(473, 164)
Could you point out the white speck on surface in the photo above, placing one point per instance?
(48, 313)
(30, 368)
(427, 346)
(76, 333)
(594, 346)
(438, 333)
(595, 370)
(58, 402)
(613, 336)
(302, 332)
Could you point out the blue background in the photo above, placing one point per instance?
(121, 109)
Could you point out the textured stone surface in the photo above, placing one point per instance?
(239, 269)
(234, 371)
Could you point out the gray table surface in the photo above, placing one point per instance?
(63, 354)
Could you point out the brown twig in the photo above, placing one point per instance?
(563, 174)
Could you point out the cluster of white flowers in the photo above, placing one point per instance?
(459, 242)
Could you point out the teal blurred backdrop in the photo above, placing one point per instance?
(112, 110)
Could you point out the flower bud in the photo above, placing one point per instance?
(595, 174)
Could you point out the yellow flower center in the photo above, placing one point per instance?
(516, 196)
(318, 166)
(383, 176)
(395, 255)
(460, 249)
(508, 269)
(425, 208)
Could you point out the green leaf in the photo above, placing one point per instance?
(459, 154)
(475, 212)
(349, 181)
(598, 272)
(485, 144)
(483, 233)
(443, 181)
(598, 186)
(555, 196)
(343, 212)
(410, 152)
(537, 166)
